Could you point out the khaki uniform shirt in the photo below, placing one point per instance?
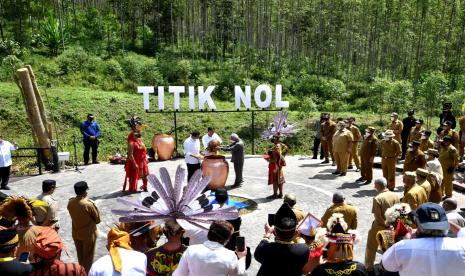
(85, 217)
(390, 149)
(397, 127)
(462, 123)
(369, 147)
(426, 144)
(349, 212)
(384, 200)
(427, 186)
(454, 135)
(414, 160)
(355, 133)
(415, 196)
(448, 157)
(328, 129)
(415, 134)
(299, 214)
(342, 141)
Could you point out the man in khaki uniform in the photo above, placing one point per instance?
(384, 200)
(342, 147)
(415, 158)
(396, 127)
(414, 195)
(435, 175)
(357, 138)
(390, 151)
(349, 212)
(421, 180)
(426, 142)
(327, 130)
(448, 131)
(449, 159)
(367, 153)
(291, 200)
(85, 217)
(415, 133)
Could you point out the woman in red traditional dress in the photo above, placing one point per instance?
(136, 163)
(276, 163)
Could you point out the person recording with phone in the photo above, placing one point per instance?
(8, 264)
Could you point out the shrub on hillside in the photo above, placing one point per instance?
(113, 71)
(150, 74)
(73, 60)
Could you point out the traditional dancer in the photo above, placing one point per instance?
(136, 163)
(277, 152)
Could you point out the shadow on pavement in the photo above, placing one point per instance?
(112, 195)
(324, 176)
(365, 193)
(350, 185)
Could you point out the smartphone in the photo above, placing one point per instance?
(185, 241)
(271, 218)
(24, 257)
(240, 243)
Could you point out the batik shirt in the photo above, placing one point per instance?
(161, 262)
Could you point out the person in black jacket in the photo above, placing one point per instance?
(447, 115)
(8, 264)
(408, 122)
(237, 157)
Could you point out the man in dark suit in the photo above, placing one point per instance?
(408, 122)
(237, 157)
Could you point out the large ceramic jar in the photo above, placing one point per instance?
(163, 146)
(217, 168)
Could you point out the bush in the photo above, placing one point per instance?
(150, 74)
(113, 70)
(73, 60)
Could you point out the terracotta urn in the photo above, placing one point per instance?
(163, 146)
(217, 168)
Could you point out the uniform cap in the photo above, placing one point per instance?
(433, 152)
(415, 143)
(49, 183)
(427, 133)
(389, 133)
(394, 114)
(410, 175)
(422, 172)
(419, 121)
(80, 187)
(371, 129)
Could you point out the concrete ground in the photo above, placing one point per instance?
(311, 181)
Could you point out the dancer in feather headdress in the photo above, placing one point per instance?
(136, 163)
(185, 203)
(277, 152)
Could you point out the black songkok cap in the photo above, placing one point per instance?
(285, 219)
(80, 187)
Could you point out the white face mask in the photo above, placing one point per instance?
(426, 156)
(387, 138)
(393, 119)
(410, 148)
(423, 137)
(340, 127)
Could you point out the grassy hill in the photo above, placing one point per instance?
(67, 106)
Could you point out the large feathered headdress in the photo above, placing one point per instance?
(184, 203)
(341, 239)
(135, 123)
(280, 127)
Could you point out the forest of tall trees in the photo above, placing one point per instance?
(346, 40)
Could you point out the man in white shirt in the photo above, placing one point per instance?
(5, 162)
(192, 153)
(450, 206)
(212, 258)
(211, 135)
(48, 188)
(431, 253)
(122, 260)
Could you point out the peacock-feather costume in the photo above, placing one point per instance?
(184, 202)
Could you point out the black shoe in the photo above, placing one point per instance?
(5, 188)
(333, 164)
(314, 157)
(325, 162)
(367, 182)
(237, 185)
(350, 167)
(360, 179)
(273, 196)
(280, 196)
(336, 173)
(357, 170)
(96, 162)
(342, 174)
(322, 157)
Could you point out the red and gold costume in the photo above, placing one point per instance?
(276, 164)
(136, 164)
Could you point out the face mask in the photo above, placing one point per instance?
(410, 148)
(426, 156)
(423, 137)
(387, 138)
(393, 119)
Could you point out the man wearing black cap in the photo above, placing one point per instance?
(448, 131)
(85, 217)
(426, 142)
(408, 123)
(449, 159)
(8, 264)
(415, 158)
(431, 252)
(282, 257)
(48, 188)
(447, 115)
(415, 133)
(90, 136)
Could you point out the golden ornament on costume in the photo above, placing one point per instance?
(163, 146)
(217, 168)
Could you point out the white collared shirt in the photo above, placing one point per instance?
(206, 139)
(191, 147)
(427, 257)
(5, 153)
(133, 263)
(209, 258)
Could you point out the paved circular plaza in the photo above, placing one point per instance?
(311, 181)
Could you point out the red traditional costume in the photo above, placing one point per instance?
(136, 167)
(276, 164)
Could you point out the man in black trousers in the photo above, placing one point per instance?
(90, 136)
(408, 122)
(237, 157)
